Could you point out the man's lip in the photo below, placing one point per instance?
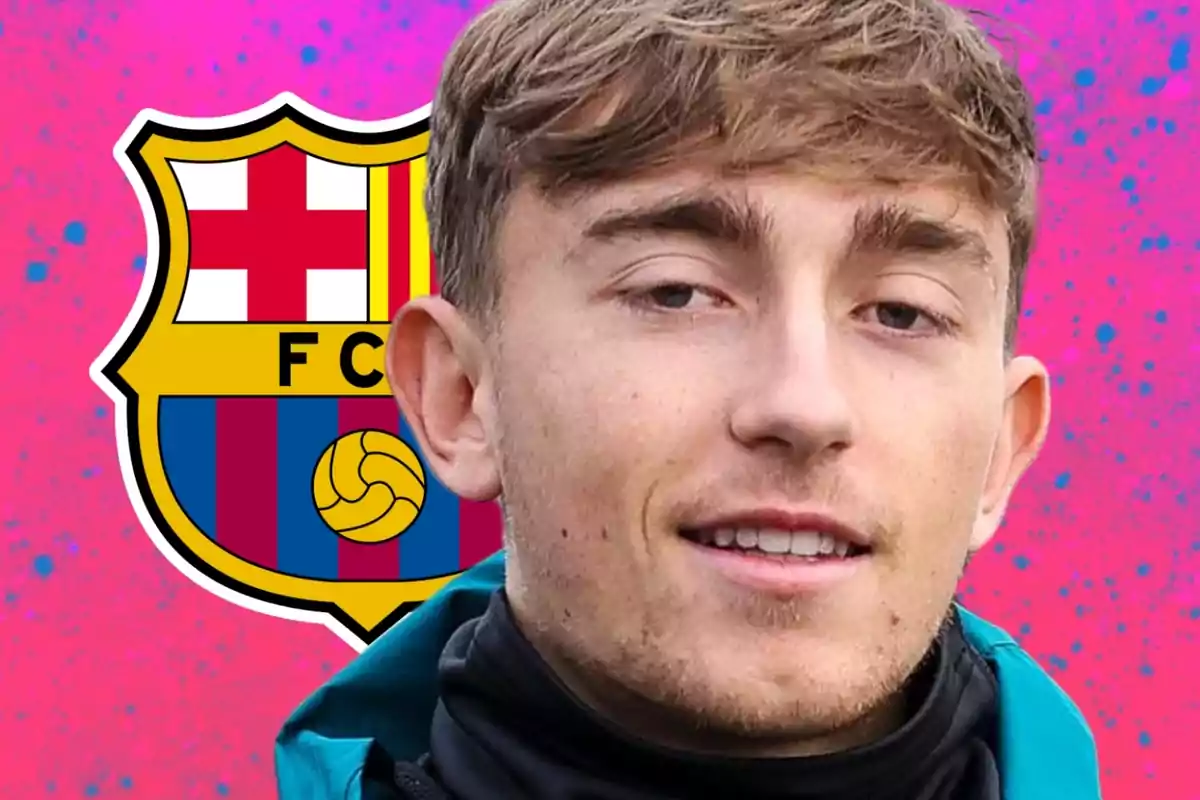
(784, 520)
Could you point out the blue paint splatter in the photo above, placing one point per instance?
(43, 565)
(1079, 136)
(1143, 569)
(1020, 562)
(1160, 316)
(1062, 480)
(222, 790)
(125, 782)
(1178, 60)
(1105, 333)
(1152, 86)
(75, 233)
(1128, 183)
(139, 263)
(1144, 739)
(1085, 77)
(36, 271)
(309, 54)
(1044, 107)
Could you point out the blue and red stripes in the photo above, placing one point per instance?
(370, 562)
(241, 468)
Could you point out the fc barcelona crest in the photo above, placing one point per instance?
(258, 437)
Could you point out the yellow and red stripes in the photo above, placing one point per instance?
(399, 266)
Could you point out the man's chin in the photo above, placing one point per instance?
(763, 721)
(746, 700)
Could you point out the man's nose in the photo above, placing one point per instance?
(794, 392)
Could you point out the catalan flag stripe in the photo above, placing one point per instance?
(378, 252)
(399, 235)
(418, 243)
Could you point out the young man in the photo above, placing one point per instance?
(728, 307)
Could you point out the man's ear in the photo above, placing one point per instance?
(1022, 433)
(438, 371)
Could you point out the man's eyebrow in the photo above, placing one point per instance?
(717, 218)
(896, 229)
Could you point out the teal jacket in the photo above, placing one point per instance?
(387, 694)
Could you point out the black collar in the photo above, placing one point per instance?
(505, 727)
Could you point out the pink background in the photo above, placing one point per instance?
(121, 678)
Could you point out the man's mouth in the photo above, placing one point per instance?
(778, 551)
(799, 544)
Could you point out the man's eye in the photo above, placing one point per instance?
(897, 315)
(907, 319)
(673, 297)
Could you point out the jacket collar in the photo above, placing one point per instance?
(388, 694)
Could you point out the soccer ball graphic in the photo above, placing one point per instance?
(369, 486)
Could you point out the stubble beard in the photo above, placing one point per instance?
(679, 702)
(646, 678)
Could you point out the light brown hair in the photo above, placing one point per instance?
(574, 93)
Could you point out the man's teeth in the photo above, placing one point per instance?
(776, 542)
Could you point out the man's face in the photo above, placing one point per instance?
(684, 360)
